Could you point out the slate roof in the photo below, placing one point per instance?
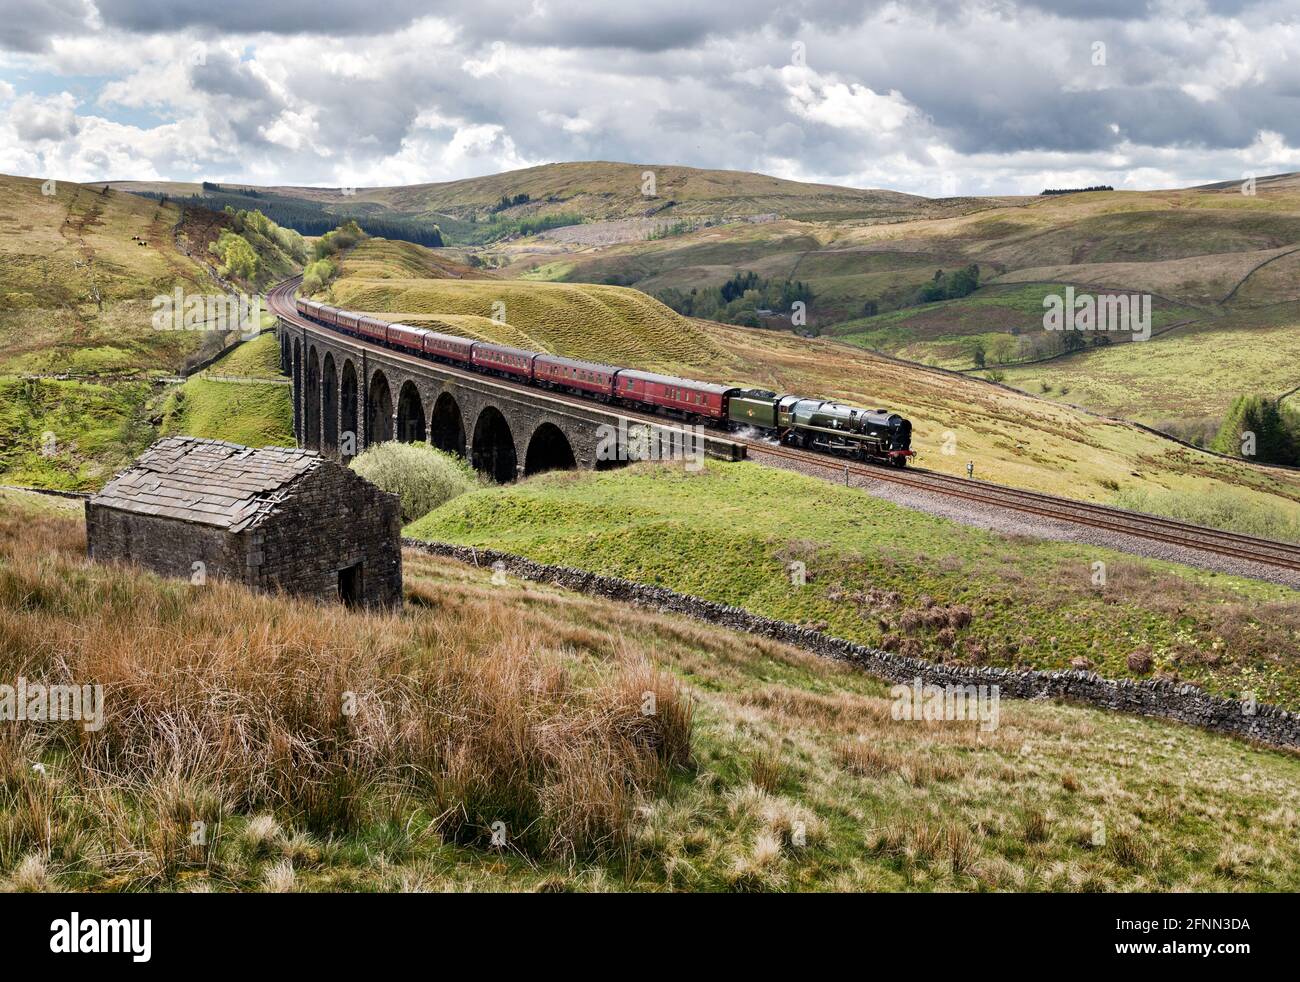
(209, 482)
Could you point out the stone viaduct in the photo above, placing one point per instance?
(348, 394)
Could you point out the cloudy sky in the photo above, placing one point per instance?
(933, 97)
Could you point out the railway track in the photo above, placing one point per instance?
(1153, 527)
(1267, 552)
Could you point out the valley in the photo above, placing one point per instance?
(767, 768)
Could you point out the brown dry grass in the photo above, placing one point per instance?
(220, 702)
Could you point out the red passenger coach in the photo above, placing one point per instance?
(508, 361)
(682, 394)
(372, 328)
(448, 346)
(406, 337)
(566, 373)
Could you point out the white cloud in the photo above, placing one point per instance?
(37, 120)
(570, 124)
(844, 105)
(293, 130)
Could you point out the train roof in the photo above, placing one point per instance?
(504, 349)
(712, 387)
(449, 337)
(593, 366)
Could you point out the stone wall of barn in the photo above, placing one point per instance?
(167, 546)
(333, 519)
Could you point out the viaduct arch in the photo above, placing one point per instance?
(447, 426)
(379, 410)
(548, 450)
(329, 406)
(494, 446)
(311, 432)
(410, 414)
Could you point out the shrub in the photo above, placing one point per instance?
(1140, 661)
(340, 240)
(237, 257)
(421, 476)
(317, 276)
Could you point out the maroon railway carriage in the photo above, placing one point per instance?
(569, 373)
(316, 311)
(372, 328)
(406, 337)
(448, 346)
(704, 399)
(503, 359)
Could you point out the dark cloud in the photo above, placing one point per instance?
(28, 25)
(252, 16)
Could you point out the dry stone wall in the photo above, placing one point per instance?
(1157, 698)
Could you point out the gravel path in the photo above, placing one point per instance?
(1014, 522)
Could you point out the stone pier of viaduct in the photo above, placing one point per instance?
(348, 395)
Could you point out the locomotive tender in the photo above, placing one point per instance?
(796, 421)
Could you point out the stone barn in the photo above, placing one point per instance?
(275, 519)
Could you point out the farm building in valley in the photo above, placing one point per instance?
(276, 519)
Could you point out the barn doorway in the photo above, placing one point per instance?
(350, 585)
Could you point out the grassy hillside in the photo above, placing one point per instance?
(76, 287)
(1211, 256)
(71, 435)
(943, 333)
(730, 533)
(82, 366)
(1013, 439)
(377, 258)
(1190, 375)
(599, 189)
(72, 246)
(227, 402)
(761, 769)
(598, 322)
